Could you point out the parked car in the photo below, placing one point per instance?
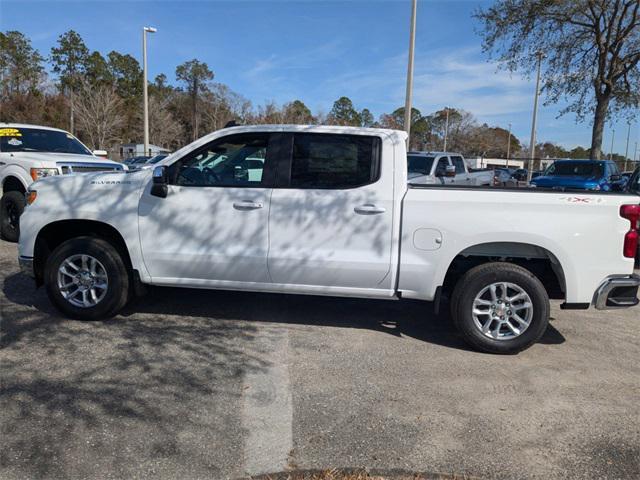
(503, 177)
(591, 175)
(444, 168)
(31, 152)
(155, 159)
(520, 174)
(134, 163)
(330, 212)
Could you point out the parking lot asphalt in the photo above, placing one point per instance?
(199, 384)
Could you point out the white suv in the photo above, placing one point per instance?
(31, 152)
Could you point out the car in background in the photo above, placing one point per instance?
(153, 160)
(521, 174)
(503, 177)
(31, 152)
(134, 163)
(445, 168)
(581, 175)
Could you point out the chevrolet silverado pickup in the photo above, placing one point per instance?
(324, 210)
(31, 152)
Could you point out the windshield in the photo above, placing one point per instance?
(156, 159)
(576, 169)
(39, 140)
(419, 164)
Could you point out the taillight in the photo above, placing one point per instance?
(631, 213)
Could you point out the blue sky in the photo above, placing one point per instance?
(316, 51)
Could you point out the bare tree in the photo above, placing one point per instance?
(164, 129)
(99, 114)
(221, 105)
(592, 50)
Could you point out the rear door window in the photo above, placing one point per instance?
(327, 161)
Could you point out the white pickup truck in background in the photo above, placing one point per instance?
(330, 211)
(445, 168)
(31, 152)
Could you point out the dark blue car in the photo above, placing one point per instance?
(581, 175)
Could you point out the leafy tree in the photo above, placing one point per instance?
(297, 112)
(366, 118)
(592, 48)
(97, 70)
(69, 61)
(343, 113)
(579, 153)
(420, 127)
(21, 66)
(551, 150)
(194, 74)
(127, 75)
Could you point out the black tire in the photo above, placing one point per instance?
(11, 207)
(117, 292)
(480, 277)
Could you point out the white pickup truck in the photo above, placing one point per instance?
(31, 152)
(329, 211)
(445, 168)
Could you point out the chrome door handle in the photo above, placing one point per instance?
(247, 205)
(369, 209)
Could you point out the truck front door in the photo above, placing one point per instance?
(213, 224)
(331, 224)
(462, 177)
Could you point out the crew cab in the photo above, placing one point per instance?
(325, 210)
(31, 152)
(581, 175)
(444, 168)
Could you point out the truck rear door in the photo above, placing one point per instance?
(331, 217)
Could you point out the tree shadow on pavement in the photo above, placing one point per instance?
(74, 394)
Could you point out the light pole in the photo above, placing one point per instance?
(412, 45)
(532, 145)
(626, 150)
(446, 129)
(613, 136)
(144, 86)
(508, 146)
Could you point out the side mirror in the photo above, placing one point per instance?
(160, 187)
(450, 171)
(100, 153)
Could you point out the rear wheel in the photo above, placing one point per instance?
(11, 207)
(500, 308)
(86, 279)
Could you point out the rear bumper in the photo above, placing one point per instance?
(617, 292)
(26, 266)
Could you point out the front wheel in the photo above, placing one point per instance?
(500, 308)
(86, 279)
(11, 207)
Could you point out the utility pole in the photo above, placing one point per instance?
(532, 144)
(446, 129)
(613, 136)
(626, 150)
(412, 45)
(144, 86)
(508, 146)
